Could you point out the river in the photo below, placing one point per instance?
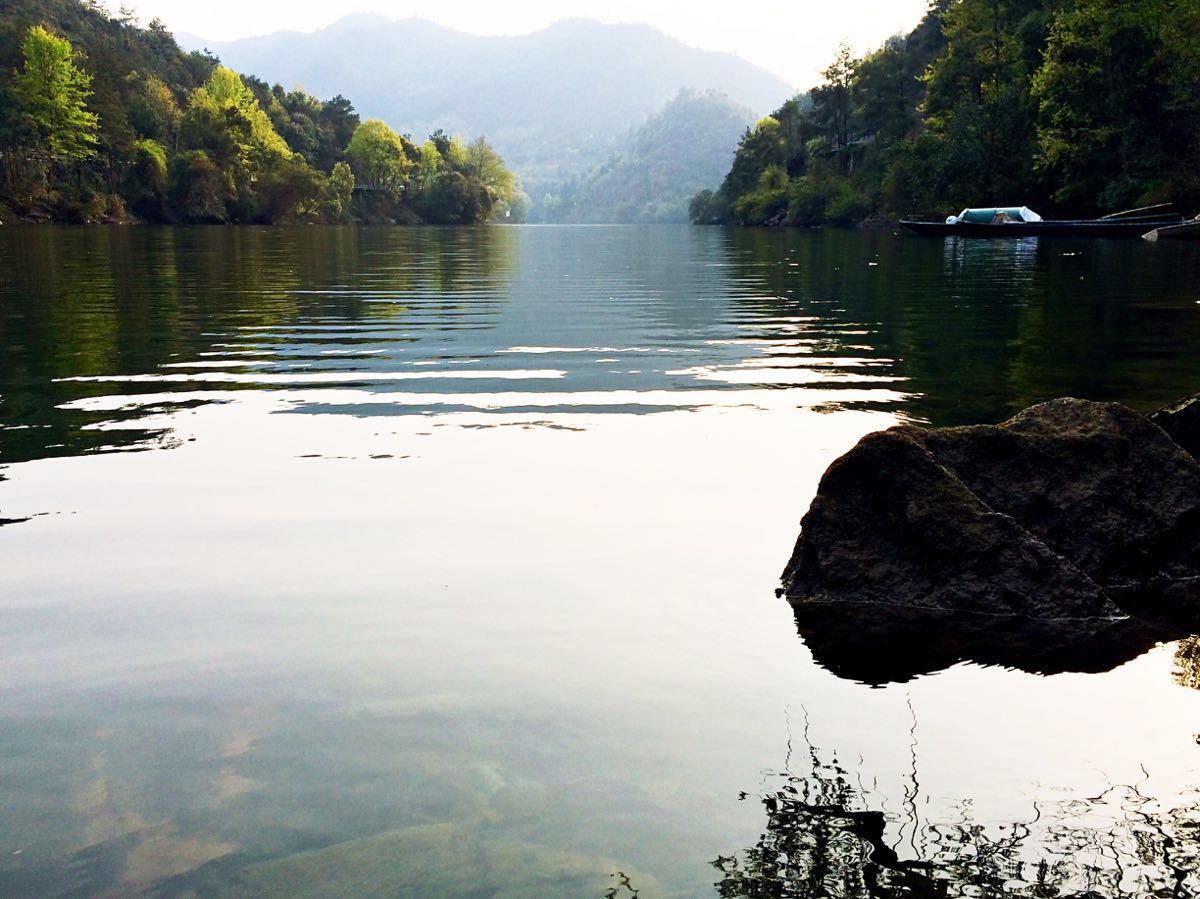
(441, 562)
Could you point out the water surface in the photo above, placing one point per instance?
(441, 562)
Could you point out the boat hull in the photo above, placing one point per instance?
(1119, 228)
(1186, 231)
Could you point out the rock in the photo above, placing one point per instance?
(1182, 422)
(1097, 482)
(1061, 512)
(892, 526)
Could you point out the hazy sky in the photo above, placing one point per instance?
(793, 38)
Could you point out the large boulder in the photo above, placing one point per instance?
(1072, 509)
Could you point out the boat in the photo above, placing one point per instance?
(1186, 231)
(1021, 221)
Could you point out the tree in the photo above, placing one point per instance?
(225, 97)
(341, 191)
(52, 122)
(292, 191)
(886, 91)
(51, 93)
(699, 207)
(378, 159)
(197, 188)
(978, 99)
(832, 106)
(483, 163)
(1118, 115)
(155, 113)
(337, 123)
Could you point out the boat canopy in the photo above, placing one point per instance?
(995, 215)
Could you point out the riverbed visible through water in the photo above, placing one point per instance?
(441, 562)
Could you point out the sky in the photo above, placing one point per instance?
(793, 38)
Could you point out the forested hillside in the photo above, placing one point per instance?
(102, 120)
(555, 103)
(1075, 107)
(658, 167)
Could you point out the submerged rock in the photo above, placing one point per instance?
(435, 860)
(1071, 509)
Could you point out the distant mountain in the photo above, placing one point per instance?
(554, 103)
(684, 148)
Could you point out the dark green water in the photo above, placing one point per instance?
(441, 563)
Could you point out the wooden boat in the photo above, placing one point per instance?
(1186, 231)
(1021, 222)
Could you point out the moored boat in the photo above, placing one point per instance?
(1186, 231)
(1020, 221)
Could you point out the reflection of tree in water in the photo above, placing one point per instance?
(824, 838)
(982, 329)
(1187, 663)
(94, 303)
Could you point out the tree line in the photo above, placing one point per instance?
(103, 120)
(1075, 107)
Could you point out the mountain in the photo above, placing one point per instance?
(682, 149)
(554, 102)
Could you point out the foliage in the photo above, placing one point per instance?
(49, 94)
(378, 159)
(341, 192)
(198, 192)
(556, 103)
(49, 123)
(119, 118)
(1076, 107)
(1119, 116)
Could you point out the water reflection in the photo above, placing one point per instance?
(81, 309)
(458, 570)
(877, 645)
(981, 329)
(830, 832)
(104, 329)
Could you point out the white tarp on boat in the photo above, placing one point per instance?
(994, 216)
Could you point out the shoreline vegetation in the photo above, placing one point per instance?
(103, 121)
(1076, 107)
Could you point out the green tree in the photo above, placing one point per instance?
(978, 101)
(1118, 114)
(378, 158)
(51, 93)
(337, 123)
(292, 191)
(225, 103)
(700, 208)
(832, 104)
(341, 192)
(52, 122)
(155, 113)
(483, 163)
(197, 191)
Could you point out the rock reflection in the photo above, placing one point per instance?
(879, 645)
(829, 835)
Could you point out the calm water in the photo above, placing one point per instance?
(441, 563)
